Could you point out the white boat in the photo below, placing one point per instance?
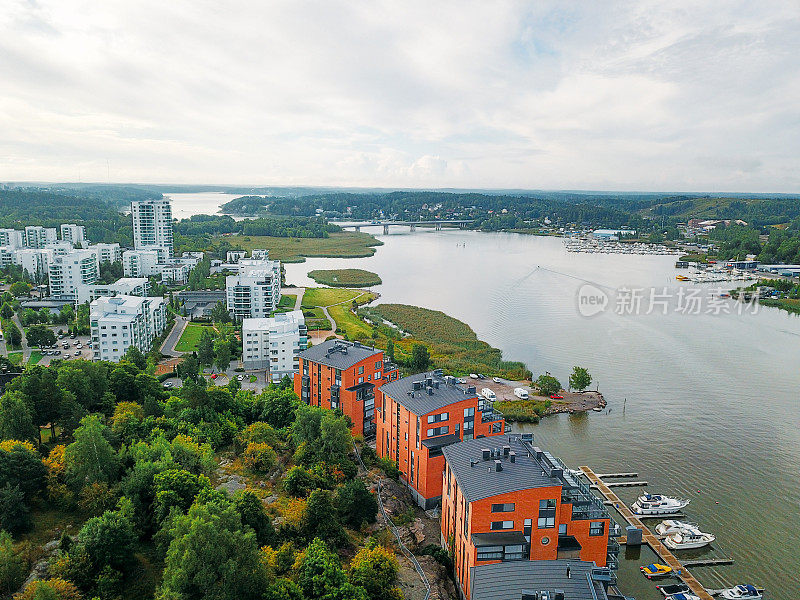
(656, 504)
(682, 596)
(688, 539)
(669, 526)
(742, 592)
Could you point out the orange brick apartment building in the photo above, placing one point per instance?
(418, 416)
(344, 375)
(505, 500)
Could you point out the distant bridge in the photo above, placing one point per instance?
(461, 224)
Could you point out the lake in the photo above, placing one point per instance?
(702, 406)
(184, 205)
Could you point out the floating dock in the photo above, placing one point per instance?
(664, 554)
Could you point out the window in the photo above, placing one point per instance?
(547, 514)
(500, 525)
(439, 417)
(361, 370)
(516, 552)
(378, 364)
(489, 553)
(438, 430)
(562, 529)
(598, 528)
(526, 530)
(503, 507)
(469, 412)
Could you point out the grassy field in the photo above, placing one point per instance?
(787, 304)
(315, 319)
(329, 296)
(452, 343)
(349, 323)
(339, 302)
(15, 357)
(345, 277)
(523, 411)
(35, 357)
(287, 301)
(345, 244)
(189, 338)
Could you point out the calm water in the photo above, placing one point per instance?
(198, 203)
(701, 406)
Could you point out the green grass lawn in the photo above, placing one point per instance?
(354, 327)
(190, 337)
(345, 244)
(15, 357)
(35, 357)
(287, 301)
(315, 319)
(345, 277)
(328, 296)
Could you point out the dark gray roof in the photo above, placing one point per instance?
(339, 354)
(482, 481)
(507, 580)
(441, 441)
(499, 538)
(419, 401)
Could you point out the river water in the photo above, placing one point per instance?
(702, 406)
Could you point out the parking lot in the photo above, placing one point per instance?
(66, 348)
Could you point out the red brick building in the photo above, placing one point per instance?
(344, 375)
(506, 500)
(419, 415)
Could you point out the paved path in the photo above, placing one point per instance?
(26, 350)
(294, 291)
(168, 347)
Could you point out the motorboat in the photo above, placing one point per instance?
(656, 504)
(742, 592)
(656, 570)
(673, 588)
(683, 596)
(688, 539)
(670, 526)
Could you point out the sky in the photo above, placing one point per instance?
(640, 95)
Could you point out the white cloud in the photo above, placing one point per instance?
(613, 95)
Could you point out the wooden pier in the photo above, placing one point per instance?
(617, 475)
(613, 484)
(664, 554)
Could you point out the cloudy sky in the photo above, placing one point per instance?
(547, 95)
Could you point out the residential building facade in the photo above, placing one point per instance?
(110, 253)
(12, 238)
(255, 290)
(37, 237)
(140, 263)
(152, 226)
(417, 416)
(123, 321)
(74, 234)
(344, 375)
(126, 286)
(274, 343)
(69, 272)
(34, 261)
(506, 500)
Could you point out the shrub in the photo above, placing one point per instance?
(259, 457)
(12, 566)
(375, 569)
(299, 482)
(389, 467)
(50, 589)
(356, 504)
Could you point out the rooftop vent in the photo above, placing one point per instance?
(498, 466)
(430, 391)
(558, 595)
(512, 456)
(486, 453)
(473, 462)
(417, 385)
(506, 450)
(438, 372)
(529, 595)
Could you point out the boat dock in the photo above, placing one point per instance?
(664, 553)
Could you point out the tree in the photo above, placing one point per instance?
(277, 407)
(251, 510)
(108, 541)
(321, 519)
(12, 567)
(189, 368)
(222, 355)
(390, 350)
(176, 488)
(375, 569)
(212, 557)
(580, 379)
(90, 458)
(205, 348)
(13, 509)
(259, 457)
(299, 481)
(20, 288)
(134, 356)
(41, 336)
(420, 358)
(50, 589)
(12, 332)
(321, 575)
(356, 505)
(220, 314)
(15, 418)
(21, 466)
(6, 312)
(548, 385)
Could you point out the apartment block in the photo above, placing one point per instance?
(123, 321)
(344, 375)
(140, 263)
(12, 238)
(110, 253)
(37, 237)
(418, 416)
(152, 226)
(255, 290)
(274, 343)
(125, 286)
(71, 271)
(74, 234)
(540, 580)
(505, 500)
(174, 273)
(34, 261)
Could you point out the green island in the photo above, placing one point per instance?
(345, 277)
(344, 244)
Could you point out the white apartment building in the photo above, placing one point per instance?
(256, 290)
(174, 273)
(233, 256)
(125, 286)
(12, 238)
(123, 321)
(33, 261)
(107, 252)
(152, 225)
(75, 234)
(37, 237)
(71, 271)
(59, 247)
(274, 343)
(140, 263)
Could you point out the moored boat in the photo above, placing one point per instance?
(742, 592)
(688, 539)
(656, 504)
(671, 526)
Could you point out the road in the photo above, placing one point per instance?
(168, 347)
(26, 350)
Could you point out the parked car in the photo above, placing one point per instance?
(497, 380)
(461, 380)
(481, 376)
(556, 396)
(240, 377)
(168, 384)
(213, 376)
(77, 352)
(474, 375)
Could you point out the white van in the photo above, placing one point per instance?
(521, 393)
(488, 394)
